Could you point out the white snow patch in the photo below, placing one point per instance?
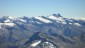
(8, 24)
(11, 17)
(58, 21)
(63, 22)
(70, 20)
(36, 43)
(56, 18)
(70, 23)
(49, 45)
(7, 21)
(22, 20)
(38, 22)
(31, 21)
(77, 24)
(43, 20)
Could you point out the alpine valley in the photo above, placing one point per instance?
(53, 31)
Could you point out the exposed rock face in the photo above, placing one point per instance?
(52, 31)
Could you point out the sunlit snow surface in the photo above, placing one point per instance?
(48, 45)
(58, 19)
(43, 20)
(8, 24)
(7, 21)
(36, 43)
(77, 24)
(22, 20)
(44, 44)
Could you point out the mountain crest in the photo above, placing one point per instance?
(57, 15)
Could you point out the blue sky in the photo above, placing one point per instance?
(67, 8)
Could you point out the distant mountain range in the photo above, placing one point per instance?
(53, 31)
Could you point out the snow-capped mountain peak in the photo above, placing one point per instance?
(57, 15)
(52, 31)
(43, 20)
(54, 18)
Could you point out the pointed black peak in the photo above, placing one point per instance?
(24, 17)
(4, 17)
(54, 14)
(57, 15)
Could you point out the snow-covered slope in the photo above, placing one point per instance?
(40, 19)
(43, 20)
(56, 18)
(53, 31)
(35, 43)
(8, 24)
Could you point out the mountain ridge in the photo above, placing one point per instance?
(55, 30)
